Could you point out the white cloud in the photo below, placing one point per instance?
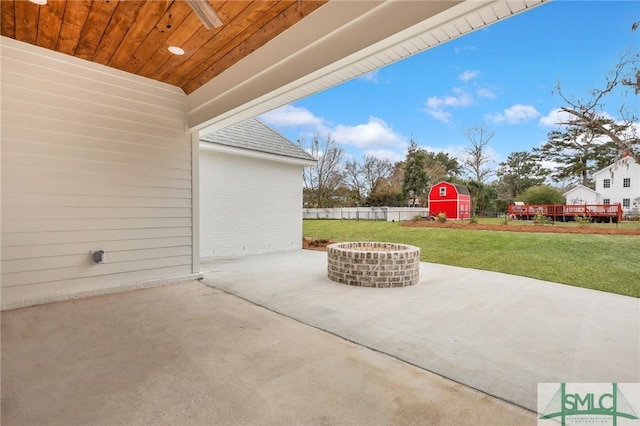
(375, 137)
(437, 105)
(468, 75)
(440, 115)
(290, 116)
(515, 114)
(385, 154)
(455, 151)
(375, 133)
(485, 93)
(459, 99)
(371, 76)
(460, 49)
(554, 117)
(557, 116)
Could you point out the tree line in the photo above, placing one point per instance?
(588, 140)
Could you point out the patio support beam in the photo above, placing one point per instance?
(338, 42)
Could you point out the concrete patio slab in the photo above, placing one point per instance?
(498, 333)
(191, 355)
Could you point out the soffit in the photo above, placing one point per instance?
(134, 35)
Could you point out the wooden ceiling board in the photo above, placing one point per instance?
(8, 19)
(188, 28)
(95, 26)
(75, 16)
(201, 38)
(148, 17)
(170, 22)
(274, 27)
(26, 21)
(49, 24)
(134, 35)
(123, 17)
(234, 33)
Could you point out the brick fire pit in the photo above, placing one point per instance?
(371, 264)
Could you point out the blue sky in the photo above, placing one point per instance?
(500, 77)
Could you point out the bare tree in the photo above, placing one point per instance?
(589, 114)
(477, 159)
(375, 169)
(322, 181)
(354, 179)
(363, 177)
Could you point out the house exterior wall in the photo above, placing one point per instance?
(92, 159)
(616, 173)
(248, 205)
(582, 195)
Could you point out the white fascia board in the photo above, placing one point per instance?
(224, 149)
(216, 96)
(368, 35)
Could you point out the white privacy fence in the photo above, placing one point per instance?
(389, 214)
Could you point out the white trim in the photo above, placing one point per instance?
(101, 291)
(195, 202)
(210, 146)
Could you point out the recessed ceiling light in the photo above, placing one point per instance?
(40, 2)
(176, 50)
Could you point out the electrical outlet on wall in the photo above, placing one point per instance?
(98, 256)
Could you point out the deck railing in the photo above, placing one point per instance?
(555, 211)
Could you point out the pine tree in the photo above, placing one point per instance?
(414, 184)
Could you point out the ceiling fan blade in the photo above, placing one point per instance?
(205, 12)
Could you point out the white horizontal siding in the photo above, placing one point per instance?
(58, 200)
(34, 251)
(616, 173)
(92, 159)
(248, 205)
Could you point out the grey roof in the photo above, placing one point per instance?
(254, 135)
(461, 189)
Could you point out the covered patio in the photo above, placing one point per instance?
(269, 339)
(188, 354)
(501, 334)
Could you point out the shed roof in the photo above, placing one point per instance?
(579, 186)
(460, 188)
(252, 134)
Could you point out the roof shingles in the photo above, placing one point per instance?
(254, 135)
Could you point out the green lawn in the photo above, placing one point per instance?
(602, 262)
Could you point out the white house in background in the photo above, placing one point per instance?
(581, 195)
(618, 183)
(250, 191)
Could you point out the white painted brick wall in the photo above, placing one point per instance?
(248, 205)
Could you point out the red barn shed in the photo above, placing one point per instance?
(450, 198)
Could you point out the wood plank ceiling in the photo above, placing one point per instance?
(134, 35)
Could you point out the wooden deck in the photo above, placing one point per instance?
(568, 212)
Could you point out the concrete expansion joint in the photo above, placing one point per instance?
(372, 348)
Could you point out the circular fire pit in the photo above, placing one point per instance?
(371, 264)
